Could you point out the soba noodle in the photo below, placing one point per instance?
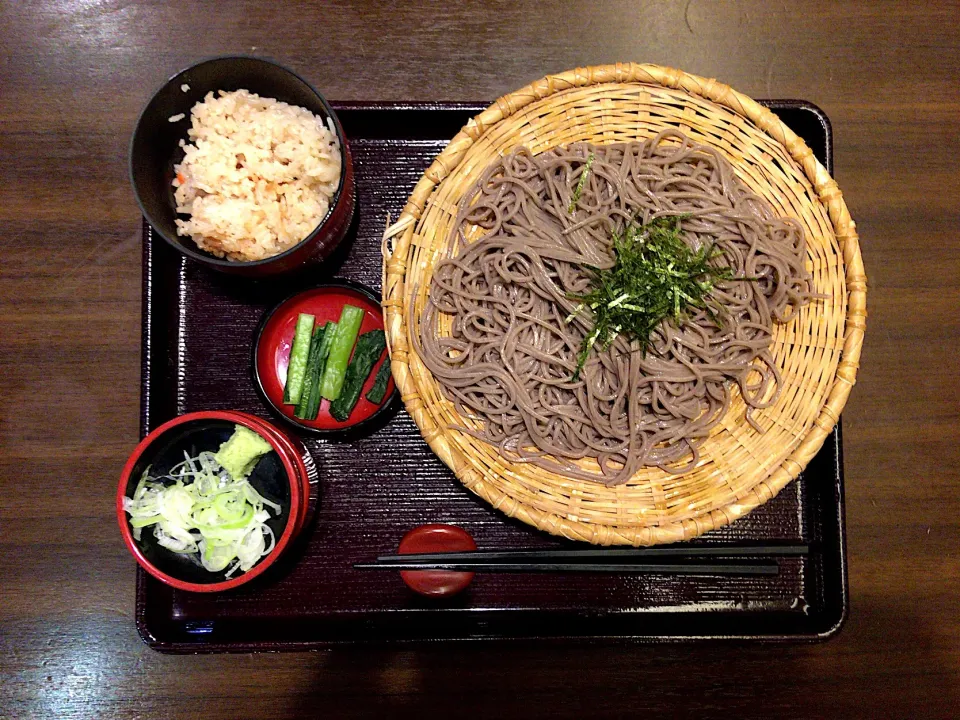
(517, 256)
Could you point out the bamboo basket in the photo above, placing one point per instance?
(818, 352)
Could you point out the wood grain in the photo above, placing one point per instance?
(73, 76)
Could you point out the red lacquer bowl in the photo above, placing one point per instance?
(271, 355)
(282, 476)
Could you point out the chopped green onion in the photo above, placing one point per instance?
(581, 184)
(618, 301)
(572, 315)
(198, 508)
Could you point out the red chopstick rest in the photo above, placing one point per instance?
(430, 539)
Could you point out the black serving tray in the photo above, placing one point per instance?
(198, 327)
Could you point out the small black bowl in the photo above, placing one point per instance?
(155, 149)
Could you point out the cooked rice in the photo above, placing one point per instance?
(257, 176)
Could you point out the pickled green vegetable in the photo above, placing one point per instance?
(336, 368)
(369, 349)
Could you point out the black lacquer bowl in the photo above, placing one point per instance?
(155, 149)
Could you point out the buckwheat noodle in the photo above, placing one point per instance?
(517, 252)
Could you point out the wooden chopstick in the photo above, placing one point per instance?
(712, 568)
(595, 554)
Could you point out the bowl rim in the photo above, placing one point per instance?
(209, 258)
(289, 529)
(348, 430)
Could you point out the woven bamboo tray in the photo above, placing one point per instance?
(818, 352)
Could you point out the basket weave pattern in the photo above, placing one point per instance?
(818, 352)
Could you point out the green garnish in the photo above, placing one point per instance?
(239, 454)
(297, 365)
(580, 184)
(309, 406)
(655, 275)
(336, 368)
(379, 389)
(368, 350)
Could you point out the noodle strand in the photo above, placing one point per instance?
(510, 357)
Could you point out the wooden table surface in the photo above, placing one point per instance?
(73, 76)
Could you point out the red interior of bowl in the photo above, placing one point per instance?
(276, 337)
